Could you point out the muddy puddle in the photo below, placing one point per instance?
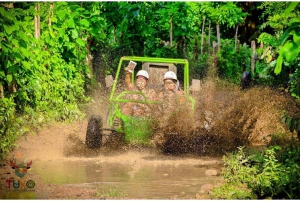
(148, 181)
(131, 175)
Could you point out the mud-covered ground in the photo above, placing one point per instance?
(225, 118)
(54, 148)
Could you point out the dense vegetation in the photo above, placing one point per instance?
(269, 174)
(46, 50)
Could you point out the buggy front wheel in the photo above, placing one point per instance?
(94, 132)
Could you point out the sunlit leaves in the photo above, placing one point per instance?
(296, 38)
(278, 67)
(290, 40)
(85, 22)
(71, 23)
(9, 29)
(289, 51)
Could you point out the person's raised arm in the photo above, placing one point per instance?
(128, 83)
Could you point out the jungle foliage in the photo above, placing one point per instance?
(44, 73)
(269, 174)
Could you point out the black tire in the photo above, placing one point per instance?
(94, 133)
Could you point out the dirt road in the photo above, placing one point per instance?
(63, 168)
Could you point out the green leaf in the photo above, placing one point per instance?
(85, 22)
(51, 32)
(74, 33)
(2, 74)
(289, 51)
(80, 42)
(61, 14)
(9, 29)
(22, 35)
(6, 14)
(15, 43)
(62, 32)
(26, 64)
(24, 51)
(23, 43)
(71, 23)
(9, 78)
(278, 67)
(54, 19)
(296, 38)
(286, 35)
(18, 56)
(291, 7)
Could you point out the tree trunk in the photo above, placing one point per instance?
(51, 14)
(209, 30)
(37, 21)
(202, 35)
(253, 48)
(12, 87)
(1, 91)
(215, 57)
(8, 5)
(236, 34)
(171, 31)
(196, 49)
(219, 37)
(261, 45)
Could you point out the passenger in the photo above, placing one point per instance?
(171, 93)
(138, 109)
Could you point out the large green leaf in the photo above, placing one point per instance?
(80, 42)
(71, 23)
(289, 51)
(22, 35)
(291, 7)
(9, 78)
(278, 67)
(74, 33)
(61, 14)
(287, 34)
(24, 52)
(26, 64)
(15, 43)
(296, 38)
(9, 29)
(2, 74)
(85, 22)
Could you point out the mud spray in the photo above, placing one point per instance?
(225, 117)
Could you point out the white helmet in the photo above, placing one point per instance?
(143, 73)
(170, 75)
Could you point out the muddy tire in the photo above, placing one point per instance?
(94, 133)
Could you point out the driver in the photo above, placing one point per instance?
(138, 109)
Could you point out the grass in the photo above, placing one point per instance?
(111, 193)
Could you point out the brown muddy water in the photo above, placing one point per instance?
(64, 168)
(129, 175)
(148, 181)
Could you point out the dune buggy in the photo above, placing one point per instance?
(134, 129)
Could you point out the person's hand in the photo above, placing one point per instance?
(127, 69)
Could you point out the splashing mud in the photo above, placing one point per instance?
(225, 117)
